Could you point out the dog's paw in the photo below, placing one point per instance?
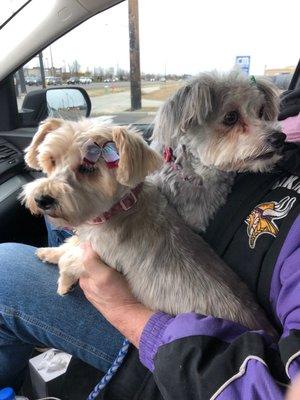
(48, 254)
(63, 291)
(65, 284)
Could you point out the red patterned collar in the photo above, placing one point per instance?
(125, 204)
(176, 165)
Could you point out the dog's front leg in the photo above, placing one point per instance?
(53, 254)
(50, 254)
(70, 268)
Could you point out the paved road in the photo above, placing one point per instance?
(127, 118)
(117, 105)
(118, 102)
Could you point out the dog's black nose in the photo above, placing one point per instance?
(277, 139)
(44, 202)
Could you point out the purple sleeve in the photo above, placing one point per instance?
(285, 299)
(250, 375)
(162, 329)
(253, 381)
(167, 341)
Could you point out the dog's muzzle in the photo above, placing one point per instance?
(45, 202)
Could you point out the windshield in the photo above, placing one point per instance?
(177, 41)
(9, 8)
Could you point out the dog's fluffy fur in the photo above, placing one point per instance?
(209, 151)
(169, 268)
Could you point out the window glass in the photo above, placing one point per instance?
(8, 8)
(177, 41)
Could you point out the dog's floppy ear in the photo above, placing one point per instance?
(197, 105)
(31, 151)
(271, 94)
(137, 159)
(186, 109)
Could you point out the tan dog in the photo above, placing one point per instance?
(130, 224)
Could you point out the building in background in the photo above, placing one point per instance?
(281, 76)
(35, 72)
(279, 71)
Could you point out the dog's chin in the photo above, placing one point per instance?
(51, 214)
(57, 219)
(68, 221)
(59, 222)
(262, 163)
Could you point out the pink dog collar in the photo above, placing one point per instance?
(125, 204)
(169, 158)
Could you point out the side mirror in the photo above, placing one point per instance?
(67, 103)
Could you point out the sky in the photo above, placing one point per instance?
(186, 37)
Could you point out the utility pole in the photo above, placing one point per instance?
(52, 68)
(22, 81)
(42, 70)
(134, 52)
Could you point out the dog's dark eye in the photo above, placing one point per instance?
(52, 161)
(86, 169)
(231, 118)
(261, 112)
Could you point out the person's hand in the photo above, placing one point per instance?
(294, 390)
(109, 292)
(103, 286)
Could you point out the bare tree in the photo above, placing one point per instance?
(109, 73)
(74, 68)
(99, 73)
(122, 74)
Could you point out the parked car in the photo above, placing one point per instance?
(33, 81)
(85, 80)
(53, 80)
(73, 80)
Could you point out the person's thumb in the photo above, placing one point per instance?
(92, 263)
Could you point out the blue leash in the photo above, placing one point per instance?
(112, 370)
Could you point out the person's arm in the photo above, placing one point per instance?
(194, 356)
(109, 292)
(226, 360)
(191, 356)
(285, 299)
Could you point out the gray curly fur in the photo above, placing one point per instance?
(187, 121)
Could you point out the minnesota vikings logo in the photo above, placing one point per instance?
(261, 219)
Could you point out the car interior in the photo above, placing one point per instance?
(18, 125)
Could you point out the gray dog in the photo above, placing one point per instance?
(94, 183)
(212, 128)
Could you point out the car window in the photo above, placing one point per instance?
(177, 41)
(9, 8)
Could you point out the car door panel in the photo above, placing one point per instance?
(20, 138)
(16, 222)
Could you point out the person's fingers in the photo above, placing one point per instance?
(294, 391)
(91, 261)
(101, 274)
(84, 282)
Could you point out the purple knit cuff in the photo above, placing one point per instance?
(293, 368)
(151, 338)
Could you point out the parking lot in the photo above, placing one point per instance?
(93, 85)
(112, 99)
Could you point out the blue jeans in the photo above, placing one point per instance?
(32, 315)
